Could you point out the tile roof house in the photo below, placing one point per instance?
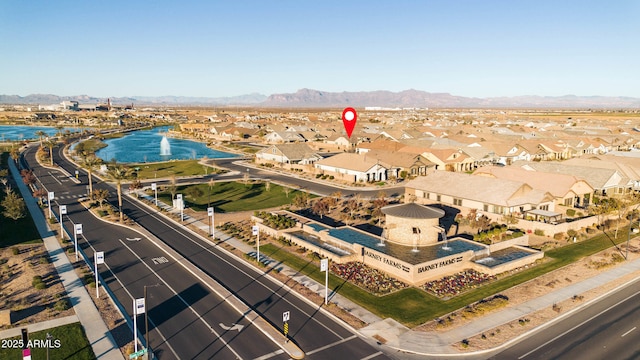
(567, 190)
(482, 193)
(603, 180)
(294, 153)
(353, 167)
(278, 137)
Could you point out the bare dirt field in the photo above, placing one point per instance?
(30, 286)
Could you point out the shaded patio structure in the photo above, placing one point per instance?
(544, 216)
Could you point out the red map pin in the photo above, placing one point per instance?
(349, 118)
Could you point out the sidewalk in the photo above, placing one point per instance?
(402, 338)
(103, 344)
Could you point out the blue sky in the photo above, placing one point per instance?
(480, 48)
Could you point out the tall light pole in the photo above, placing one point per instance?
(146, 318)
(626, 257)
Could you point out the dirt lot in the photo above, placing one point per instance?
(17, 290)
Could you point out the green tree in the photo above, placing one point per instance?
(89, 163)
(100, 195)
(40, 135)
(13, 205)
(50, 144)
(320, 207)
(120, 173)
(15, 154)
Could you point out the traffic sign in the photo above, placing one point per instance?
(209, 211)
(153, 186)
(255, 229)
(286, 328)
(138, 354)
(51, 195)
(63, 209)
(79, 229)
(286, 316)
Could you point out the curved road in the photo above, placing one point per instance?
(186, 312)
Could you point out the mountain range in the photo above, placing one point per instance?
(308, 98)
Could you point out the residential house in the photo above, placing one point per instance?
(293, 153)
(602, 180)
(482, 193)
(279, 137)
(353, 167)
(567, 190)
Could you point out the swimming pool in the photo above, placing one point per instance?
(405, 253)
(503, 256)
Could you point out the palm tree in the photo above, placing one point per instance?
(41, 134)
(120, 173)
(89, 163)
(50, 144)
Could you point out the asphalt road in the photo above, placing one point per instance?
(608, 329)
(186, 313)
(186, 319)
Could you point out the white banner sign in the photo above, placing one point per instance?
(63, 209)
(209, 211)
(100, 257)
(79, 229)
(255, 230)
(51, 195)
(324, 264)
(153, 186)
(179, 196)
(140, 306)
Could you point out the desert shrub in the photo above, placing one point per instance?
(15, 250)
(539, 232)
(61, 305)
(571, 212)
(37, 283)
(558, 236)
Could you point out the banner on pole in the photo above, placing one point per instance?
(324, 264)
(100, 257)
(79, 229)
(140, 308)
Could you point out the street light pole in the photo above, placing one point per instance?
(146, 317)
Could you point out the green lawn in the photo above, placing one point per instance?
(413, 306)
(232, 196)
(21, 231)
(73, 344)
(171, 168)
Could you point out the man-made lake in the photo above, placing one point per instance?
(145, 146)
(23, 132)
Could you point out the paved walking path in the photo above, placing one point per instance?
(39, 326)
(402, 338)
(103, 344)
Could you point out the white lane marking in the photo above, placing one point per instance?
(577, 326)
(372, 356)
(233, 326)
(627, 333)
(131, 296)
(184, 301)
(270, 355)
(331, 345)
(257, 280)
